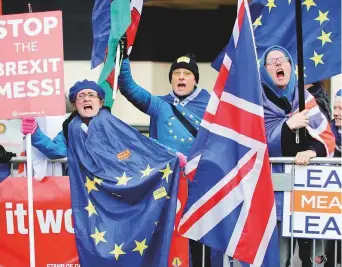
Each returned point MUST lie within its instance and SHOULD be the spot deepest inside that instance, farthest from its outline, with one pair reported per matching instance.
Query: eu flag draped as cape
(124, 194)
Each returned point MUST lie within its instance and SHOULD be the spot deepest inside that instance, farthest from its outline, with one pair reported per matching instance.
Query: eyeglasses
(271, 61)
(178, 73)
(83, 95)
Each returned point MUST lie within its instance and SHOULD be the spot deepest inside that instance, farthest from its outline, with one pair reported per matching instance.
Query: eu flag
(124, 194)
(274, 23)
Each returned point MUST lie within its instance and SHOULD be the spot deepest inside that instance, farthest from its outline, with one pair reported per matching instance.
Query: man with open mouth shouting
(175, 117)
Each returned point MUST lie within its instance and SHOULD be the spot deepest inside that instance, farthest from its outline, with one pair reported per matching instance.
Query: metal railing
(281, 182)
(285, 182)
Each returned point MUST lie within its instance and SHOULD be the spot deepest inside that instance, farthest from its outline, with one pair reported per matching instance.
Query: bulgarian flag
(111, 20)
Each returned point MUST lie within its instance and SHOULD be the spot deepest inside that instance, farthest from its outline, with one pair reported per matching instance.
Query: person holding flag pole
(175, 120)
(108, 144)
(301, 134)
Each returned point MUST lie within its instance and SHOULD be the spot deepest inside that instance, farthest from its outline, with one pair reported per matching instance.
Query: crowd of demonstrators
(336, 125)
(175, 117)
(282, 120)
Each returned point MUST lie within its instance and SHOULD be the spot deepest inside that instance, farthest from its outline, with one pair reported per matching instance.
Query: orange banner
(54, 233)
(317, 201)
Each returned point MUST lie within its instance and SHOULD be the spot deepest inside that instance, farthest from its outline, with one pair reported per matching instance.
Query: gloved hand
(123, 46)
(182, 159)
(5, 156)
(28, 125)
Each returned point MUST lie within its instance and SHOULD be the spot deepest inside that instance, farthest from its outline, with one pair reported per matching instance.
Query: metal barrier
(281, 182)
(285, 182)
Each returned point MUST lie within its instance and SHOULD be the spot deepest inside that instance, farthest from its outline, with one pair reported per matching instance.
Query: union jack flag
(231, 204)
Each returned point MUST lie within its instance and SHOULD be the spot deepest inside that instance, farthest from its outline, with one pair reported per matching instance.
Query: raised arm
(134, 93)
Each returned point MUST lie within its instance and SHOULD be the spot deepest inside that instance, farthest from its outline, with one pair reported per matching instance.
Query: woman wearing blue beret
(87, 97)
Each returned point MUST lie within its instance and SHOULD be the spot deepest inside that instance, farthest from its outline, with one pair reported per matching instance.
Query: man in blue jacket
(174, 118)
(186, 102)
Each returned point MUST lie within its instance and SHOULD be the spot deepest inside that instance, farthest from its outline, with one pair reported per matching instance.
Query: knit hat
(85, 84)
(188, 62)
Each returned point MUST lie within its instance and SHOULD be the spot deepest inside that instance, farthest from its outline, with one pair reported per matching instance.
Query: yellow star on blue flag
(121, 185)
(321, 33)
(274, 23)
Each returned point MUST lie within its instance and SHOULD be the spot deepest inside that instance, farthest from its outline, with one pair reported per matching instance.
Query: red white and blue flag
(231, 205)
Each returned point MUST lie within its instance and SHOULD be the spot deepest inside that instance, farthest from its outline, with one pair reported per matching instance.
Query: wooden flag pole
(300, 61)
(0, 7)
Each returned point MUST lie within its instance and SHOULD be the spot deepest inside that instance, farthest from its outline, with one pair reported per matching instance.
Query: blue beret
(339, 93)
(85, 84)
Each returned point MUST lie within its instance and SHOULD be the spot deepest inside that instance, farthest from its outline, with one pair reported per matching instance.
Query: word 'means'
(30, 26)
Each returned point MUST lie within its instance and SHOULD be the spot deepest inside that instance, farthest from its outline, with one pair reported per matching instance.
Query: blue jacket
(52, 149)
(164, 125)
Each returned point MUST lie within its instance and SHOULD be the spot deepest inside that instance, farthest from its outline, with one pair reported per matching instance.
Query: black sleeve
(322, 100)
(5, 156)
(318, 147)
(288, 139)
(66, 124)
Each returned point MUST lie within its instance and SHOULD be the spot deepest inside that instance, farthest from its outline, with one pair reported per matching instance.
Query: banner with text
(31, 65)
(317, 203)
(54, 233)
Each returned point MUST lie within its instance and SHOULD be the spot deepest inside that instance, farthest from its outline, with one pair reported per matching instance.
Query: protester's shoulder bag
(184, 121)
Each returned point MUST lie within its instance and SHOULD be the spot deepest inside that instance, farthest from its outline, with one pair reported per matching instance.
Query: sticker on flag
(231, 204)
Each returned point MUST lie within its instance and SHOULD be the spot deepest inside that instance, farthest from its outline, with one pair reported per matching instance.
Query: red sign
(31, 65)
(54, 233)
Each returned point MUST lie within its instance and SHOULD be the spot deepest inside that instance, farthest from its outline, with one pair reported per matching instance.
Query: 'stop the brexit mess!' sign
(31, 65)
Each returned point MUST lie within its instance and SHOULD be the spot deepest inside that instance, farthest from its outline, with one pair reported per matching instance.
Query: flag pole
(0, 7)
(30, 191)
(30, 199)
(118, 61)
(300, 62)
